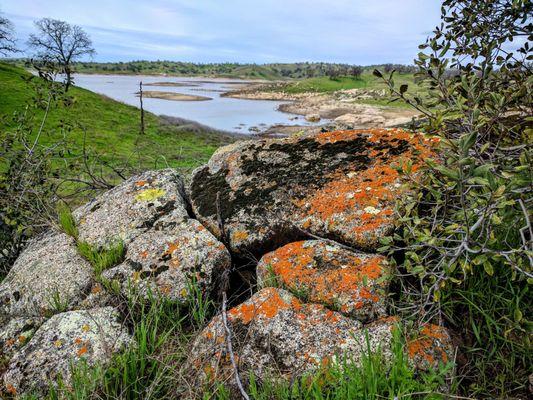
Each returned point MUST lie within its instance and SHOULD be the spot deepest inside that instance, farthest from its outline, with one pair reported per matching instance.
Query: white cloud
(353, 31)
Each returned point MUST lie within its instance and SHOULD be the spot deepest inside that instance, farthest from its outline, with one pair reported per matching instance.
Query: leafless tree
(60, 43)
(7, 39)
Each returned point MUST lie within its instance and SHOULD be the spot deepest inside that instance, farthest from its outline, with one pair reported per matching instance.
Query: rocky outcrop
(324, 272)
(130, 209)
(177, 253)
(340, 185)
(49, 274)
(65, 339)
(319, 301)
(166, 252)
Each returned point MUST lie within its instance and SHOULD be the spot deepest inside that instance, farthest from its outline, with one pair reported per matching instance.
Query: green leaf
(487, 266)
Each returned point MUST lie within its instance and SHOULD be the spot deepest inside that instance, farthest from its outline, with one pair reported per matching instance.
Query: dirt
(154, 94)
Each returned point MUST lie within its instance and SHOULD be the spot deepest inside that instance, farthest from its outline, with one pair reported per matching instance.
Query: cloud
(351, 31)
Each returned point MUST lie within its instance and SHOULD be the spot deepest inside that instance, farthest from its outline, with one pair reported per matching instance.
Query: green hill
(110, 128)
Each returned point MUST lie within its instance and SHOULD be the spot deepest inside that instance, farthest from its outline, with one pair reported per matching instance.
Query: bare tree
(60, 43)
(7, 39)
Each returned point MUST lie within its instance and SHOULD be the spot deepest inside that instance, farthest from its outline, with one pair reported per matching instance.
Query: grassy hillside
(111, 128)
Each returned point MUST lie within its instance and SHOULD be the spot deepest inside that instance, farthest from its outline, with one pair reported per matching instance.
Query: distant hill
(272, 71)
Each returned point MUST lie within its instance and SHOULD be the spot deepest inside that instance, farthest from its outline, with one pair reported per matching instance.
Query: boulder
(430, 347)
(323, 272)
(176, 253)
(61, 342)
(131, 208)
(16, 334)
(49, 275)
(338, 185)
(312, 118)
(275, 335)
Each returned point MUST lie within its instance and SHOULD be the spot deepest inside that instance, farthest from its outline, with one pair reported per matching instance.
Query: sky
(360, 32)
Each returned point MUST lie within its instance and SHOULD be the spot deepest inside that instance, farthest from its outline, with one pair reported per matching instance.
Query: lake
(234, 115)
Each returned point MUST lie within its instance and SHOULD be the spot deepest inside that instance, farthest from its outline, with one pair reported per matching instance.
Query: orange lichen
(325, 276)
(96, 289)
(10, 342)
(78, 341)
(428, 345)
(239, 236)
(266, 306)
(351, 194)
(140, 183)
(82, 351)
(11, 389)
(21, 339)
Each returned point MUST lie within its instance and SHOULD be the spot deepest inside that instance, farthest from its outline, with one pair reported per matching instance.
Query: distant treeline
(264, 71)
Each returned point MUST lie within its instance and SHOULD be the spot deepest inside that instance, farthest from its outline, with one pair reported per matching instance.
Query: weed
(199, 304)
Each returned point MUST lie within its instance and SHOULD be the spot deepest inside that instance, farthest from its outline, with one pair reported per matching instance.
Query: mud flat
(170, 84)
(153, 94)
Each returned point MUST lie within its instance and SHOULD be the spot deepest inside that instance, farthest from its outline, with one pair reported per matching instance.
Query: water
(234, 115)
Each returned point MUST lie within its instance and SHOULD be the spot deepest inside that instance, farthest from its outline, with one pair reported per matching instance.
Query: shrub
(466, 234)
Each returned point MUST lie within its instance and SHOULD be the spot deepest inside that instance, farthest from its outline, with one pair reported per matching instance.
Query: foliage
(66, 221)
(467, 228)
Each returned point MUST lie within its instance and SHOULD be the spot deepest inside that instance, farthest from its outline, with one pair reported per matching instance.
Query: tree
(7, 40)
(60, 43)
(356, 71)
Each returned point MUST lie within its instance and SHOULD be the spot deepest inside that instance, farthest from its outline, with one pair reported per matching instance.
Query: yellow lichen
(149, 194)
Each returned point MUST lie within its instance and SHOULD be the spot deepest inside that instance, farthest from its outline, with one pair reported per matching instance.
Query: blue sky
(348, 31)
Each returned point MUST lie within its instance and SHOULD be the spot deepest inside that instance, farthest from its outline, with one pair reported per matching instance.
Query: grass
(102, 259)
(104, 126)
(365, 81)
(66, 221)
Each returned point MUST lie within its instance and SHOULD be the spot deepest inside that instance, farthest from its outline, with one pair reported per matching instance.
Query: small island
(154, 94)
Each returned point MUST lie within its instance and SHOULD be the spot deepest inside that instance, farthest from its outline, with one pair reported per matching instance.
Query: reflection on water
(236, 115)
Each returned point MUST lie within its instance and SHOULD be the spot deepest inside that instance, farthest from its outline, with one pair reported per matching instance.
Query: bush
(466, 234)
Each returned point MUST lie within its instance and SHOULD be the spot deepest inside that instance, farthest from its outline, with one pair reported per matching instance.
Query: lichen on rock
(323, 272)
(131, 208)
(277, 336)
(62, 342)
(48, 274)
(340, 185)
(176, 253)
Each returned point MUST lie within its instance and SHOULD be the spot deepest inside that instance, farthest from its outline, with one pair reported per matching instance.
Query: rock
(324, 272)
(169, 257)
(430, 347)
(276, 335)
(16, 334)
(339, 185)
(355, 120)
(91, 335)
(131, 208)
(48, 275)
(312, 118)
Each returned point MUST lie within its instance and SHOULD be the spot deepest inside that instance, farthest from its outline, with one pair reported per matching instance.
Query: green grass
(107, 127)
(365, 81)
(66, 221)
(102, 259)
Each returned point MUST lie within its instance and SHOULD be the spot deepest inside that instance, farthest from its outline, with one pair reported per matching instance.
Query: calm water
(224, 113)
